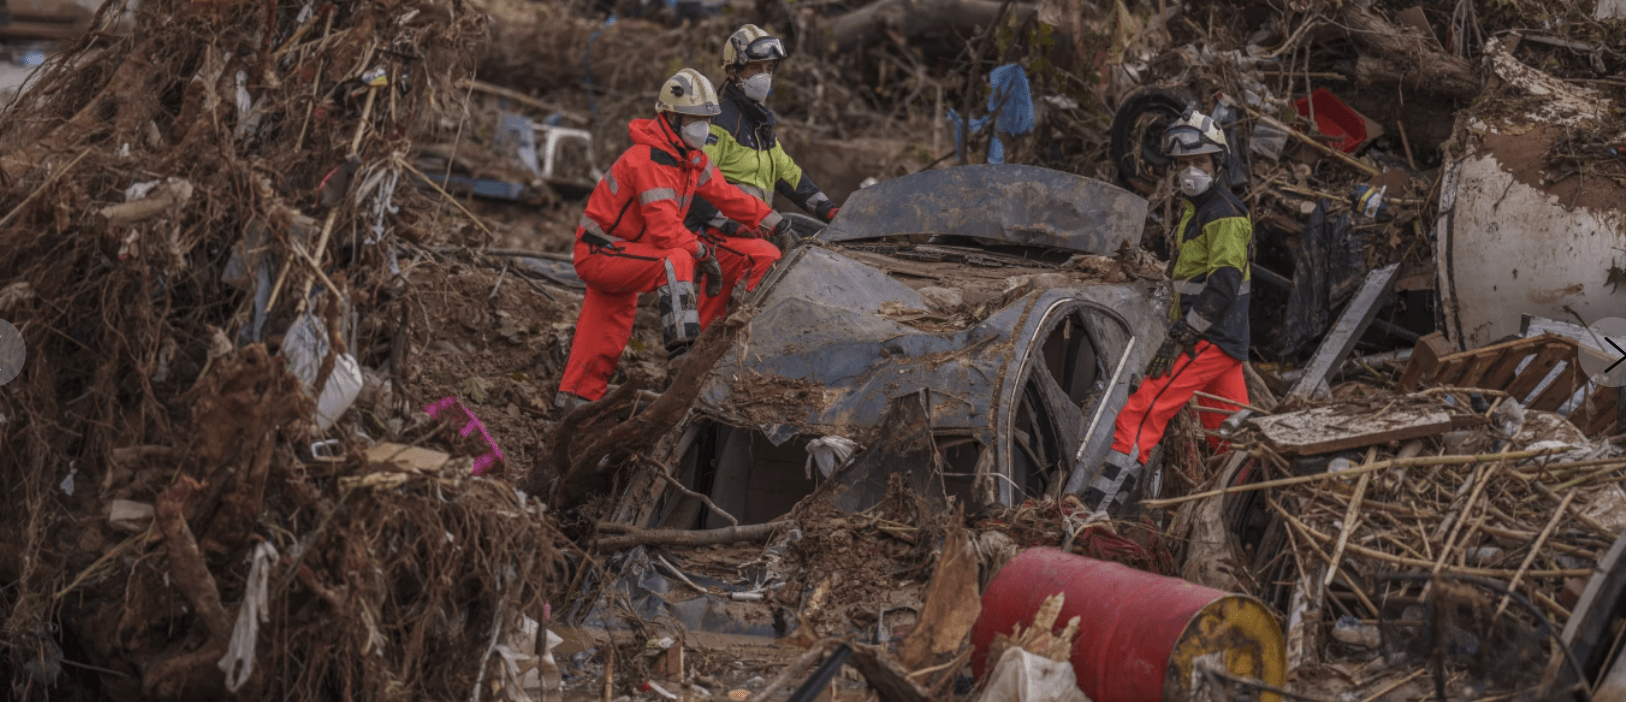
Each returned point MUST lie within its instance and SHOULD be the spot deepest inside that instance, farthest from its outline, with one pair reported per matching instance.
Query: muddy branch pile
(206, 223)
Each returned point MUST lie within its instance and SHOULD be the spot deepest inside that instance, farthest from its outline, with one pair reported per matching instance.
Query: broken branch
(1351, 473)
(1307, 140)
(585, 471)
(631, 536)
(678, 485)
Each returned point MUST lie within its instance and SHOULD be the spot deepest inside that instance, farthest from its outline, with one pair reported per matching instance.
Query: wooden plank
(1620, 411)
(1333, 428)
(1477, 367)
(1425, 359)
(1605, 411)
(1501, 374)
(1602, 412)
(57, 11)
(1551, 353)
(1583, 415)
(1560, 390)
(1529, 344)
(1450, 369)
(1533, 326)
(1350, 326)
(40, 30)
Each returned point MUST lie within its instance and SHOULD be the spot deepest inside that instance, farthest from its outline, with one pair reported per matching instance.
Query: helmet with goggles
(1194, 134)
(751, 44)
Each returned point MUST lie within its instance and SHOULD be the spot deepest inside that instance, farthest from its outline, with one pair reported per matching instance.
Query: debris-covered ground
(295, 288)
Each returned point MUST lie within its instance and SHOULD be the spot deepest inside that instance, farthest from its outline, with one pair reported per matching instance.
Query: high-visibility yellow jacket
(748, 153)
(1212, 280)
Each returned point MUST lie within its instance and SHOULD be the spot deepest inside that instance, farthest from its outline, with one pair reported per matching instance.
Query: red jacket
(661, 175)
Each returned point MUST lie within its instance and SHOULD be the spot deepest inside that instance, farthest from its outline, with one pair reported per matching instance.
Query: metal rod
(1101, 406)
(1271, 277)
(810, 690)
(1396, 331)
(1293, 376)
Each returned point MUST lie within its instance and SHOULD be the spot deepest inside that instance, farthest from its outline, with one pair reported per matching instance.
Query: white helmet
(688, 92)
(749, 44)
(1194, 134)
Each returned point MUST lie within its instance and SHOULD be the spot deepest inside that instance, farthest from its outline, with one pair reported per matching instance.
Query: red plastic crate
(1335, 119)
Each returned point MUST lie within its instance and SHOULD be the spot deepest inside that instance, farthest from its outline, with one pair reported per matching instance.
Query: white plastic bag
(305, 346)
(828, 453)
(1022, 676)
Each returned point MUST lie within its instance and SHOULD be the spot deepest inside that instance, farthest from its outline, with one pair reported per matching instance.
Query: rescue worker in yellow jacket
(747, 151)
(1207, 341)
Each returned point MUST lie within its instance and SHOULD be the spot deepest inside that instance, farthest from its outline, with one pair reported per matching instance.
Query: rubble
(283, 431)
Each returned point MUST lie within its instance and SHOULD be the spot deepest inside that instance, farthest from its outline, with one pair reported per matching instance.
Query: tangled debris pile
(211, 261)
(166, 446)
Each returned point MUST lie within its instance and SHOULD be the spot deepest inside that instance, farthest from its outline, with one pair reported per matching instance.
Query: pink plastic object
(482, 463)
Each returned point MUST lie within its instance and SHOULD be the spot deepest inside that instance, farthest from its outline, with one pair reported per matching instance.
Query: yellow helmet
(749, 44)
(688, 92)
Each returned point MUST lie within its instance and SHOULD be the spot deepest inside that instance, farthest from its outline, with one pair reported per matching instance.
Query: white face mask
(756, 87)
(1194, 181)
(695, 134)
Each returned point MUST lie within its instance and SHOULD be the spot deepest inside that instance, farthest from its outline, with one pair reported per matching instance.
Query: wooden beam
(40, 30)
(1319, 430)
(1349, 328)
(1551, 353)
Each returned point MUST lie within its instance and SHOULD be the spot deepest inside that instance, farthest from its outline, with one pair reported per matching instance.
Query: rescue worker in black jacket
(1207, 340)
(746, 149)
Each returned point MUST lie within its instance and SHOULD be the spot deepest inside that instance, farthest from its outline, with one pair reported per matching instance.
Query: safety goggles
(1183, 136)
(764, 49)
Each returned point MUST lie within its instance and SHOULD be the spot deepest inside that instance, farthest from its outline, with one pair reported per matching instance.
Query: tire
(1137, 128)
(803, 225)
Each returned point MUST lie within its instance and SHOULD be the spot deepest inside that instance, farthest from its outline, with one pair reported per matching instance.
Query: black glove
(784, 237)
(708, 271)
(1181, 338)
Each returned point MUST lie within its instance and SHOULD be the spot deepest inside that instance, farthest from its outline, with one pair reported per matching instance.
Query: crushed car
(967, 328)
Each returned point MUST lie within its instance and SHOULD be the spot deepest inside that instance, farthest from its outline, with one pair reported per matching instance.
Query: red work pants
(1147, 413)
(743, 260)
(614, 277)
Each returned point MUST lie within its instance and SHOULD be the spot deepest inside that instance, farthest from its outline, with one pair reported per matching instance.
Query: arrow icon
(1618, 350)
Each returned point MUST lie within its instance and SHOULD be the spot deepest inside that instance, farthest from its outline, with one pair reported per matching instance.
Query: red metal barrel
(1140, 635)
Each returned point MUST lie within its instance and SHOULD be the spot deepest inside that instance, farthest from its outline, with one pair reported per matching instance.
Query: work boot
(680, 315)
(1112, 484)
(677, 356)
(566, 402)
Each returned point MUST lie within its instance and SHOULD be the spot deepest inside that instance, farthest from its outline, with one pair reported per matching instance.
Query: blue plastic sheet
(1011, 102)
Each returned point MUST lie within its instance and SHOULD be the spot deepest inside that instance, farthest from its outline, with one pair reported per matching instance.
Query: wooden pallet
(1496, 367)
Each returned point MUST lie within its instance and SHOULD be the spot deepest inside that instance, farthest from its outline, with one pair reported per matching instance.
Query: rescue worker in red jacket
(1207, 341)
(631, 238)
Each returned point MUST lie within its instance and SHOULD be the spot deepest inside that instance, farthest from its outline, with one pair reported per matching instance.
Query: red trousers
(614, 277)
(1147, 413)
(743, 260)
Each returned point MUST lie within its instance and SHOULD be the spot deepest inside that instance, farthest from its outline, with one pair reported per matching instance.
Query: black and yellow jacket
(746, 150)
(1211, 275)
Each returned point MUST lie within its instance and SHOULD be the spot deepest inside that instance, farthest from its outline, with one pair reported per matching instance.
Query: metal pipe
(1293, 376)
(1396, 331)
(1272, 277)
(810, 690)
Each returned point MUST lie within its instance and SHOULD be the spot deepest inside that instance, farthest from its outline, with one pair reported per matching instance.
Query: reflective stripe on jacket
(646, 192)
(1212, 279)
(748, 152)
